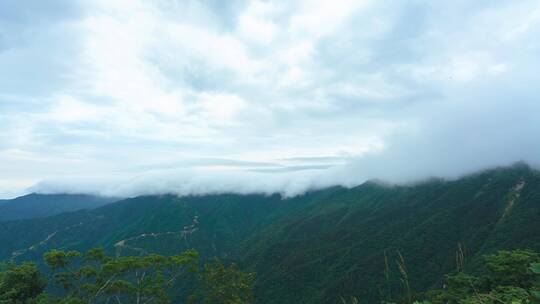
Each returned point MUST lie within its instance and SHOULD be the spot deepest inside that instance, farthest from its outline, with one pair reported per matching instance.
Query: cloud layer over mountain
(133, 97)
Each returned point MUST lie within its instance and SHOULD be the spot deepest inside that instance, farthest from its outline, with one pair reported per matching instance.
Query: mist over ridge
(242, 183)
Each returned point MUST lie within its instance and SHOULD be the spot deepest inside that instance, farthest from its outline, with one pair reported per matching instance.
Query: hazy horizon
(133, 97)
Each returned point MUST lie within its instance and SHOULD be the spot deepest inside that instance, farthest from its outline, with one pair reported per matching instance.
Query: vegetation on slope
(338, 247)
(43, 205)
(318, 247)
(507, 277)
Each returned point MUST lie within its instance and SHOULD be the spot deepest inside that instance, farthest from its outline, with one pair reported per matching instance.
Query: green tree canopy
(94, 277)
(20, 283)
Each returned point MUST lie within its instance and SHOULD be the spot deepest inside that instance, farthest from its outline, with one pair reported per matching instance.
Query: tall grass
(387, 277)
(404, 277)
(460, 258)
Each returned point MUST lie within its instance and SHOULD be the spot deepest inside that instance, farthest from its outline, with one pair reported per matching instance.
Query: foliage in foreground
(510, 277)
(94, 277)
(20, 283)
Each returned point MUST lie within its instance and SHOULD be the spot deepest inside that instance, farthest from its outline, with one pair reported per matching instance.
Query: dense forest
(438, 240)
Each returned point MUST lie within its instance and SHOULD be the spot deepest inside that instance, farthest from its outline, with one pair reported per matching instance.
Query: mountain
(43, 205)
(316, 247)
(215, 225)
(338, 247)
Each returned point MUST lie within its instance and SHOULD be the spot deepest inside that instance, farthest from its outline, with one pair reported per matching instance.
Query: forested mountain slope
(316, 247)
(337, 247)
(42, 205)
(215, 225)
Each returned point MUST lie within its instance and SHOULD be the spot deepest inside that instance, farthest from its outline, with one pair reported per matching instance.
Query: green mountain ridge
(348, 235)
(316, 247)
(42, 205)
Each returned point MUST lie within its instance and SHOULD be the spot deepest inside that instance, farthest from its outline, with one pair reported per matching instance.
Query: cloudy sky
(130, 97)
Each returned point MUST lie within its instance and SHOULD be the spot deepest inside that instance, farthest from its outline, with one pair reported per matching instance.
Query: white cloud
(319, 18)
(111, 88)
(255, 22)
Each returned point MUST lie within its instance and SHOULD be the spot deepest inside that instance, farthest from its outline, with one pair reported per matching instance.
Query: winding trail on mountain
(184, 233)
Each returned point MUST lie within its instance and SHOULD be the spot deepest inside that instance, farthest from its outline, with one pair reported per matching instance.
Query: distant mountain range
(42, 205)
(316, 247)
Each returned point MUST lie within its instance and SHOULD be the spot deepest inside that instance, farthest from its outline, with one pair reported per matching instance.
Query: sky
(128, 97)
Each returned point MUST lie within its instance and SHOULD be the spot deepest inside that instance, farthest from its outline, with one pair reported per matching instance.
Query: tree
(94, 277)
(227, 285)
(511, 277)
(20, 283)
(512, 267)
